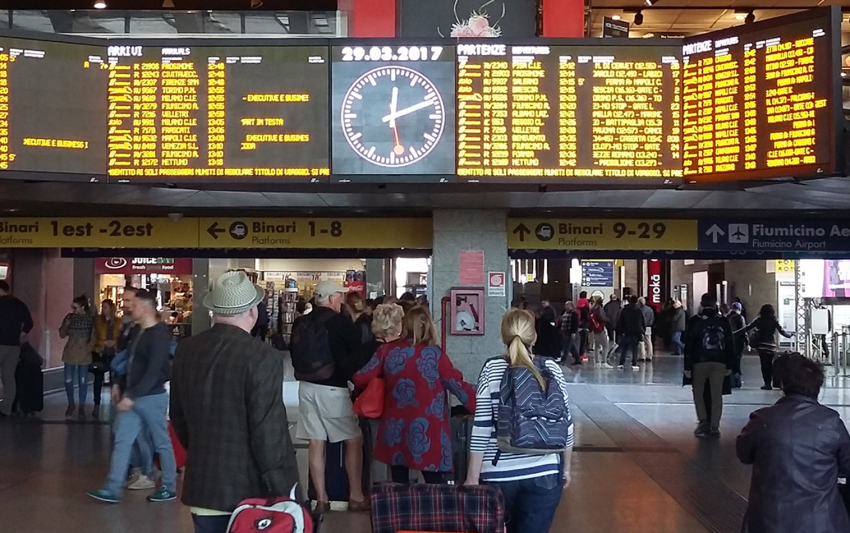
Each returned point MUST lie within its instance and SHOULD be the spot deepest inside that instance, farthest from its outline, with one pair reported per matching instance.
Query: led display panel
(604, 114)
(393, 111)
(217, 113)
(760, 100)
(52, 111)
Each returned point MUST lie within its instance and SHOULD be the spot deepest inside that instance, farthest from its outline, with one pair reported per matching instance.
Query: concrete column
(84, 280)
(200, 288)
(375, 277)
(461, 230)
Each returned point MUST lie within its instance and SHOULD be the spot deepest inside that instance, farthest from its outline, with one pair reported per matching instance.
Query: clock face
(393, 116)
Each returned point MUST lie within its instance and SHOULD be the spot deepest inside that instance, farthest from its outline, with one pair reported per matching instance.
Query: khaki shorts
(325, 414)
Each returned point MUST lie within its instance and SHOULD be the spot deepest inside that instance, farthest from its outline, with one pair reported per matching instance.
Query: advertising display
(393, 110)
(583, 113)
(208, 112)
(761, 100)
(52, 111)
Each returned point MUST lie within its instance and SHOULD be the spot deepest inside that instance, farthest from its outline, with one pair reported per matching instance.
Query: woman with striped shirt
(532, 484)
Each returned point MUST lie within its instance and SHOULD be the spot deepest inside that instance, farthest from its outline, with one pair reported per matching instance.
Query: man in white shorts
(326, 413)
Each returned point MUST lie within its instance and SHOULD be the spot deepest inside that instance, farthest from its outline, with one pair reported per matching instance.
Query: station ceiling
(690, 17)
(820, 197)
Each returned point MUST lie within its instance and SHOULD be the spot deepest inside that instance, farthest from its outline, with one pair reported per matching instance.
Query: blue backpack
(531, 420)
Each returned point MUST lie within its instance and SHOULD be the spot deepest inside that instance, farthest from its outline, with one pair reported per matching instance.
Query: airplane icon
(739, 233)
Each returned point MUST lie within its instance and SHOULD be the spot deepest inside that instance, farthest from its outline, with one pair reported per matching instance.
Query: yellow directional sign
(601, 234)
(366, 233)
(98, 233)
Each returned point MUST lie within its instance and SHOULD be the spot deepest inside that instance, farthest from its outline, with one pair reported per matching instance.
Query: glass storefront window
(283, 23)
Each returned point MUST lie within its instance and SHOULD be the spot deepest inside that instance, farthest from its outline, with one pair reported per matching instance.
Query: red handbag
(370, 404)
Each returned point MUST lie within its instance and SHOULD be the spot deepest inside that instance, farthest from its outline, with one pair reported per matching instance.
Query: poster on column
(467, 18)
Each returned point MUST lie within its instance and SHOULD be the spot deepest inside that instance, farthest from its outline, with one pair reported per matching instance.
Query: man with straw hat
(227, 409)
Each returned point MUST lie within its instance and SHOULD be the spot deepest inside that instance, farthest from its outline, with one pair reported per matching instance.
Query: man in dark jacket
(631, 326)
(709, 357)
(647, 350)
(15, 322)
(737, 322)
(143, 403)
(326, 413)
(227, 410)
(612, 311)
(798, 449)
(569, 332)
(678, 325)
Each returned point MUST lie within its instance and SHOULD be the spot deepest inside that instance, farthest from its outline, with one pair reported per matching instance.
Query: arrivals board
(760, 100)
(217, 113)
(582, 113)
(52, 117)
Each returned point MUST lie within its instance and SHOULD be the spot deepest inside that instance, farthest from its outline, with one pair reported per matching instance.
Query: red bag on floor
(280, 515)
(179, 450)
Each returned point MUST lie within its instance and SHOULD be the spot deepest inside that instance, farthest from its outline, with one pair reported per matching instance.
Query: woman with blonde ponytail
(532, 483)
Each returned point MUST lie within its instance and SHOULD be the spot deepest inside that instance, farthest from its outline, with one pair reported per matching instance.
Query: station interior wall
(748, 280)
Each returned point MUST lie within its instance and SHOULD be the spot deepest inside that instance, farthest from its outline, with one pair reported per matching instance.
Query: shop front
(170, 279)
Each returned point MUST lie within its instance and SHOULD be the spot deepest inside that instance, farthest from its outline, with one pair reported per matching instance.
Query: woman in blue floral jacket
(414, 431)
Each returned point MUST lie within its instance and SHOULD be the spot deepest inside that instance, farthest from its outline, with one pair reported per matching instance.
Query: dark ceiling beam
(146, 5)
(736, 8)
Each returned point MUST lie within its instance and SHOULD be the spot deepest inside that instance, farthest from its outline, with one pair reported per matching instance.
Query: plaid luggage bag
(479, 509)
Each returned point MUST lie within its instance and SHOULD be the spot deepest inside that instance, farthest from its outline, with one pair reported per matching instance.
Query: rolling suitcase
(336, 478)
(461, 431)
(422, 507)
(29, 381)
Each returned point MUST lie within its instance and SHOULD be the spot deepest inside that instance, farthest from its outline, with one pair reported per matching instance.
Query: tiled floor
(636, 468)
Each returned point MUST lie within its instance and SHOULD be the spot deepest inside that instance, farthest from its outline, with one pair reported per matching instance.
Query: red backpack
(277, 515)
(596, 325)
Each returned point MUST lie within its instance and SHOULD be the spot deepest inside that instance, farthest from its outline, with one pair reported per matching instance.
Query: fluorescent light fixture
(100, 4)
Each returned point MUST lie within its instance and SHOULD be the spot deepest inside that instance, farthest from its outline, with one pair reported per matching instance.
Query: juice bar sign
(143, 265)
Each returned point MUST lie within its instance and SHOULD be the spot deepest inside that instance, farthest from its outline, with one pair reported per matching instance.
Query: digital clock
(390, 53)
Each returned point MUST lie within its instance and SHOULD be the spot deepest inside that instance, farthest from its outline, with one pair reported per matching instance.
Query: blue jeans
(678, 345)
(141, 456)
(530, 504)
(148, 414)
(210, 524)
(82, 374)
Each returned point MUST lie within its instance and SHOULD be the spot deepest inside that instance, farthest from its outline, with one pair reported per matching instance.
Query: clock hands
(393, 107)
(398, 148)
(407, 110)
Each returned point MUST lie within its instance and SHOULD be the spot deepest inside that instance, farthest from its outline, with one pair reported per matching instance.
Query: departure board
(217, 113)
(583, 113)
(51, 108)
(760, 100)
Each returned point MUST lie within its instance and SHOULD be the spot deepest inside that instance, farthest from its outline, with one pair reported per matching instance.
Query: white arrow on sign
(715, 233)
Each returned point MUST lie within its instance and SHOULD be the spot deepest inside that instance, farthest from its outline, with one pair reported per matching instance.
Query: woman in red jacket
(414, 431)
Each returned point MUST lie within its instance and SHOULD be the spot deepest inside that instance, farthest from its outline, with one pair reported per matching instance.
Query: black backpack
(713, 339)
(311, 349)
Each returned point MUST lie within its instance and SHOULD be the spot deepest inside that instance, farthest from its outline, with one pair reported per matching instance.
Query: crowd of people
(226, 408)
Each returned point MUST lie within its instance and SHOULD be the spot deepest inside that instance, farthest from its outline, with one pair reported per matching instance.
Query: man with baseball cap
(227, 409)
(326, 351)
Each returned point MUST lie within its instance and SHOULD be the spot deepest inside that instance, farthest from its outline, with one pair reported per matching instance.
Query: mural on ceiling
(468, 18)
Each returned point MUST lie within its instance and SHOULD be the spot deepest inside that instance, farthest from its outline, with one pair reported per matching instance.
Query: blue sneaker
(104, 495)
(162, 495)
